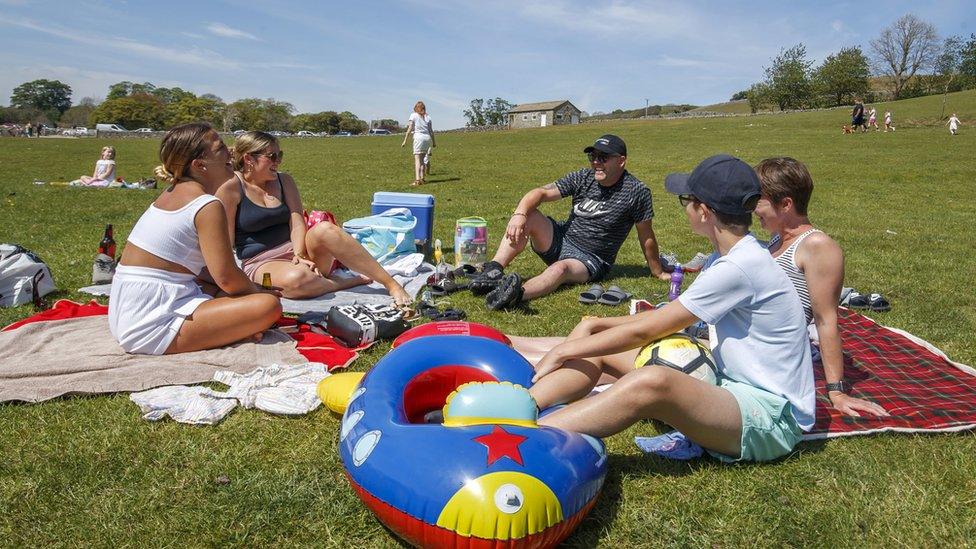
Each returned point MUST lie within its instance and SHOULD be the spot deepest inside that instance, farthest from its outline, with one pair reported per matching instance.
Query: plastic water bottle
(677, 277)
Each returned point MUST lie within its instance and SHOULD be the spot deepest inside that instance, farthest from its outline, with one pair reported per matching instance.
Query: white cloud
(220, 29)
(837, 25)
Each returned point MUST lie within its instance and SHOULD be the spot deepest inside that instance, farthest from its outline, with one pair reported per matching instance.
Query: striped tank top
(787, 261)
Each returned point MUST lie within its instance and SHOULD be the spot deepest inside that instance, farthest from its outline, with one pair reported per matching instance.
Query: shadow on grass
(442, 180)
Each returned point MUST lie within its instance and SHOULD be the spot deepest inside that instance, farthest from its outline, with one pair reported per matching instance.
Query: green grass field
(90, 472)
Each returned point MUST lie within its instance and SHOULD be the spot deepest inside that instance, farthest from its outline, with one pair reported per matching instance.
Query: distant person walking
(873, 119)
(888, 121)
(953, 124)
(857, 115)
(423, 141)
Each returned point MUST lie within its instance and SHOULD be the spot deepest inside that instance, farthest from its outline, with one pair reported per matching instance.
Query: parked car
(109, 128)
(306, 133)
(78, 131)
(238, 133)
(144, 130)
(279, 133)
(380, 131)
(344, 134)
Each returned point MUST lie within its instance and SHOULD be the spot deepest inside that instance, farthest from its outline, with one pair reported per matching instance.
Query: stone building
(548, 113)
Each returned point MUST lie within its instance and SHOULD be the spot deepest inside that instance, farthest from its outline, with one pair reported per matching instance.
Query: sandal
(878, 304)
(613, 296)
(416, 183)
(589, 297)
(856, 300)
(445, 287)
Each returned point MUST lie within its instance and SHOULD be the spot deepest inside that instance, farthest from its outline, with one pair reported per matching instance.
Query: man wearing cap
(764, 399)
(607, 202)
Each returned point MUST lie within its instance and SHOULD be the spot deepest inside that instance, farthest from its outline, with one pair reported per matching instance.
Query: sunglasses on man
(600, 158)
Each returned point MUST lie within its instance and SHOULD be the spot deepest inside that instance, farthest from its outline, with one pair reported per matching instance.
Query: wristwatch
(841, 386)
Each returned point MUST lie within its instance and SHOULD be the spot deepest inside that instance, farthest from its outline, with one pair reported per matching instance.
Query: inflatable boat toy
(451, 327)
(488, 476)
(334, 391)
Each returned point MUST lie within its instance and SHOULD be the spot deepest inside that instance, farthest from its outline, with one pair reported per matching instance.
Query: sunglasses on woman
(686, 199)
(274, 157)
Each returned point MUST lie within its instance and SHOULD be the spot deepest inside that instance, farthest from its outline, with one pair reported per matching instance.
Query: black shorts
(564, 248)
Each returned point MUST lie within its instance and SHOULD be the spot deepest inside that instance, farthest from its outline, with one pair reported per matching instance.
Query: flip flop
(856, 300)
(589, 297)
(613, 296)
(878, 303)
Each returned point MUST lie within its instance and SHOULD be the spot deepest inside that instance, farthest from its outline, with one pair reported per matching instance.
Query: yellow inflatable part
(335, 390)
(501, 506)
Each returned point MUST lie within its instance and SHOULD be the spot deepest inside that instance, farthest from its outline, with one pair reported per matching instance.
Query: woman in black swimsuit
(264, 215)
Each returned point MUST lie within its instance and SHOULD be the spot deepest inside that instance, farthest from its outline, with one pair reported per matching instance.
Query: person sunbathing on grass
(764, 400)
(265, 221)
(814, 263)
(607, 202)
(156, 305)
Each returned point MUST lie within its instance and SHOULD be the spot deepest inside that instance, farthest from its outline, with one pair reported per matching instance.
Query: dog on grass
(847, 129)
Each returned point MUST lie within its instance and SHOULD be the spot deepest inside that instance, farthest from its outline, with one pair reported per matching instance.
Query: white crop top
(172, 235)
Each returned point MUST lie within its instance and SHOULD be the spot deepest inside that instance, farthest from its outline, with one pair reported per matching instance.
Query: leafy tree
(906, 46)
(172, 95)
(788, 78)
(326, 121)
(758, 96)
(349, 122)
(738, 96)
(843, 76)
(258, 114)
(475, 114)
(126, 88)
(967, 59)
(496, 110)
(194, 109)
(53, 97)
(386, 124)
(76, 116)
(133, 111)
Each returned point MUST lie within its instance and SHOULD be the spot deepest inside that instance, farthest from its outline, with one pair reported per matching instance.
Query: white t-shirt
(421, 124)
(759, 324)
(953, 122)
(105, 170)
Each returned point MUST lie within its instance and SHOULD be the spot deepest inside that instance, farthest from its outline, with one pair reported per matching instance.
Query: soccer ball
(681, 352)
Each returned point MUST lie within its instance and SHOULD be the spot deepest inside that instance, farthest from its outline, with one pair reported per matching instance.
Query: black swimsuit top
(258, 228)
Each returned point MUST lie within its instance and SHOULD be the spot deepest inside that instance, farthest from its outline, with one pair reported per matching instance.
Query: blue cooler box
(420, 205)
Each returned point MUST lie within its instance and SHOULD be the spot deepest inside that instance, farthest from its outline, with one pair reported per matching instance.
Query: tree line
(137, 105)
(908, 58)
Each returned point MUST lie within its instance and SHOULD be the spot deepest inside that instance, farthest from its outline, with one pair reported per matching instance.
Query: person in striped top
(814, 263)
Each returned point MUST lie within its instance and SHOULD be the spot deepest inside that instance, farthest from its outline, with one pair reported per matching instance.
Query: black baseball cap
(609, 144)
(722, 182)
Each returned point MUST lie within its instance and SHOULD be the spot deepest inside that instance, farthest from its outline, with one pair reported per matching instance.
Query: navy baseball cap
(609, 144)
(722, 182)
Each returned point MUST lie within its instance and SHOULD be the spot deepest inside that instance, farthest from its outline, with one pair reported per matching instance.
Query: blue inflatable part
(494, 476)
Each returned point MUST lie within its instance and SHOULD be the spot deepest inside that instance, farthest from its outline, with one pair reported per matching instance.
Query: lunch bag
(23, 276)
(387, 235)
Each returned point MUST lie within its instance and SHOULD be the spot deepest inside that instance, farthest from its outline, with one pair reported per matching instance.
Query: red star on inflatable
(501, 443)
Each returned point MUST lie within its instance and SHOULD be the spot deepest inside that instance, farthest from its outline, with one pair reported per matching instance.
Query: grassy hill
(86, 471)
(740, 106)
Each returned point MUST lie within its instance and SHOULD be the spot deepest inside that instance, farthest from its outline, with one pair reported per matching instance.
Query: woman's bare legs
(418, 168)
(326, 241)
(225, 320)
(534, 348)
(301, 282)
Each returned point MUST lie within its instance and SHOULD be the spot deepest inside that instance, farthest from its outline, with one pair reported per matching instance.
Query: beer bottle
(107, 245)
(266, 281)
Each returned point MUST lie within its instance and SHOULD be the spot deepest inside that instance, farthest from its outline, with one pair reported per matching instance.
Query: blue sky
(377, 58)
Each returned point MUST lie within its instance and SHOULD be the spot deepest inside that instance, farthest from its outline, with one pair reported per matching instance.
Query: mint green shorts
(769, 430)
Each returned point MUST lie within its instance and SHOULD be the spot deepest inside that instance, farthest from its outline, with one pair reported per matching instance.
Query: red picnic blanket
(921, 388)
(313, 346)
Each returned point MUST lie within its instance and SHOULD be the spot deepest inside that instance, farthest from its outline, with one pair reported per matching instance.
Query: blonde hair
(111, 151)
(180, 146)
(420, 108)
(250, 143)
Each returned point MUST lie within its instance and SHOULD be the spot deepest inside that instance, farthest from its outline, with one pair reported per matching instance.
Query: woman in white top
(814, 264)
(953, 124)
(104, 173)
(157, 306)
(423, 141)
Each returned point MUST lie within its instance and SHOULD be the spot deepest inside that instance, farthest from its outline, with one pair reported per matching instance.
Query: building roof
(544, 106)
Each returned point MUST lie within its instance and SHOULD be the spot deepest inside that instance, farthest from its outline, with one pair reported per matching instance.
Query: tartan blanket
(916, 383)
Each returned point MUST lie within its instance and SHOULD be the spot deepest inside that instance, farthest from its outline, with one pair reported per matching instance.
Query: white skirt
(147, 307)
(421, 143)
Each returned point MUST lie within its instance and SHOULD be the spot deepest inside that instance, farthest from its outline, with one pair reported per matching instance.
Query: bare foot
(345, 283)
(256, 338)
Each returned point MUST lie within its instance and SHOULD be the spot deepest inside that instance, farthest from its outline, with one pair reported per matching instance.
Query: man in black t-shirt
(607, 202)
